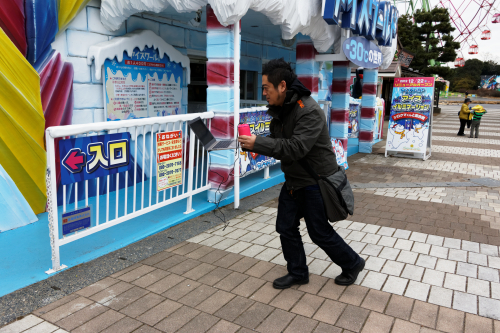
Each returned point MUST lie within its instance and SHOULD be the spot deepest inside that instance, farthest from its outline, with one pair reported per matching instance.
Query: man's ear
(282, 86)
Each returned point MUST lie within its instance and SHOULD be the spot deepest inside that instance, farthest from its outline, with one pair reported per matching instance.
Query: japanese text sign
(94, 156)
(168, 159)
(362, 52)
(411, 107)
(143, 85)
(75, 221)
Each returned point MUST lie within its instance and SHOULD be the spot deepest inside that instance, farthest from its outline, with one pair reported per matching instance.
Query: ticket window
(197, 89)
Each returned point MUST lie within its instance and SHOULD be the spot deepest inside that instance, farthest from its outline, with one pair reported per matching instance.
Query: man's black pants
(308, 203)
(463, 122)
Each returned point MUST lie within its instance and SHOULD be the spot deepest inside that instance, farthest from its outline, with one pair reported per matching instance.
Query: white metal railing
(196, 182)
(248, 103)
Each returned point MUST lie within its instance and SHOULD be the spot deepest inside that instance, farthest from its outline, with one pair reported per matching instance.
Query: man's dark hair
(278, 70)
(467, 100)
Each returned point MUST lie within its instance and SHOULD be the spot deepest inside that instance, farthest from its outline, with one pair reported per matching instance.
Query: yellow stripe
(22, 125)
(68, 9)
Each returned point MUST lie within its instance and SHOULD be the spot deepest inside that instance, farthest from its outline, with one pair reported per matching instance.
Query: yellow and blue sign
(369, 18)
(75, 221)
(94, 156)
(362, 52)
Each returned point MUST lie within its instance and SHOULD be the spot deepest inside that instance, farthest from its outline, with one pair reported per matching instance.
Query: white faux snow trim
(293, 16)
(139, 38)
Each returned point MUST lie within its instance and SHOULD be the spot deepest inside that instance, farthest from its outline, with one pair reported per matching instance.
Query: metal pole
(189, 208)
(236, 35)
(52, 207)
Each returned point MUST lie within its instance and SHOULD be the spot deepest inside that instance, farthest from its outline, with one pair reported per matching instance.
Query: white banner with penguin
(411, 117)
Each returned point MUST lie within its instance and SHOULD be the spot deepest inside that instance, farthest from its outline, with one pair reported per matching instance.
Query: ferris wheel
(471, 19)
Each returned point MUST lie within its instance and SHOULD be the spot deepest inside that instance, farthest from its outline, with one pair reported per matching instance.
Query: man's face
(274, 95)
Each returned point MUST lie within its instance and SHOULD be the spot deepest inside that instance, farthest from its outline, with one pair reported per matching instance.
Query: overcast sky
(487, 48)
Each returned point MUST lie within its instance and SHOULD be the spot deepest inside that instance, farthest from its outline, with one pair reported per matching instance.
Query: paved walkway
(432, 261)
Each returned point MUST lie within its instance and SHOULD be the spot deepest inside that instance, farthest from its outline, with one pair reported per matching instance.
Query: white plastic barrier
(137, 127)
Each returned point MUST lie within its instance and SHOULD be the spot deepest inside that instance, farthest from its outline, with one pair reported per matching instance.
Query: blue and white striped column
(220, 100)
(307, 68)
(339, 114)
(368, 104)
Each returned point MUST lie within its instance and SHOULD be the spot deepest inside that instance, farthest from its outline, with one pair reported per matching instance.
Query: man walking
(299, 130)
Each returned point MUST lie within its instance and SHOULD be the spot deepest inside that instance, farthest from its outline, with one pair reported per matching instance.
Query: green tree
(467, 77)
(428, 35)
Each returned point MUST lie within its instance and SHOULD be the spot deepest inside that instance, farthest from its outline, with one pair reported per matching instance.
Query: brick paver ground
(432, 261)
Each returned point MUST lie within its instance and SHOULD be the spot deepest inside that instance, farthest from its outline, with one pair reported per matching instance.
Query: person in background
(464, 115)
(477, 113)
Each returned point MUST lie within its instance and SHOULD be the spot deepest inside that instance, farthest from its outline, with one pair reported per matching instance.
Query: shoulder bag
(336, 192)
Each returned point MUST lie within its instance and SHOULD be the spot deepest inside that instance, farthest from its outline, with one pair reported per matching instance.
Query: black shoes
(349, 277)
(287, 281)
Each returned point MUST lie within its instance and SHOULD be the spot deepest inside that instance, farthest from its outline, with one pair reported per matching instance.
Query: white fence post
(52, 204)
(266, 173)
(192, 139)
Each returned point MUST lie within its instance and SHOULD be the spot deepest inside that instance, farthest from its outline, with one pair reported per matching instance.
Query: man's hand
(247, 142)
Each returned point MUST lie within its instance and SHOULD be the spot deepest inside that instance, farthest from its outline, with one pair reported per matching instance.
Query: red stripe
(365, 136)
(339, 115)
(369, 89)
(340, 86)
(310, 82)
(220, 73)
(367, 112)
(305, 51)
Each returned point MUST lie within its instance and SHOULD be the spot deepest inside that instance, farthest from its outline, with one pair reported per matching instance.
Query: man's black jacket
(298, 129)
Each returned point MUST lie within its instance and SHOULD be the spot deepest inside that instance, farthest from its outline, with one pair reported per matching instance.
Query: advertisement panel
(340, 152)
(354, 118)
(490, 82)
(411, 114)
(94, 156)
(142, 85)
(259, 122)
(168, 159)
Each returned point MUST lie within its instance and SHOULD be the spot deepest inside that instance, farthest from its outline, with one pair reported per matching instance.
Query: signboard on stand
(168, 160)
(250, 162)
(410, 121)
(142, 85)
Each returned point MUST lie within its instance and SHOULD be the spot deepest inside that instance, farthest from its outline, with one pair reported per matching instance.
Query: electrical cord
(218, 191)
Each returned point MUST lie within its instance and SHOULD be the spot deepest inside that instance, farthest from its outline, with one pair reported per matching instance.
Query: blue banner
(259, 122)
(94, 156)
(75, 221)
(362, 52)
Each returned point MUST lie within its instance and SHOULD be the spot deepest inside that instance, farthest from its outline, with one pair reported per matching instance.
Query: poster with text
(142, 85)
(168, 159)
(411, 110)
(259, 122)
